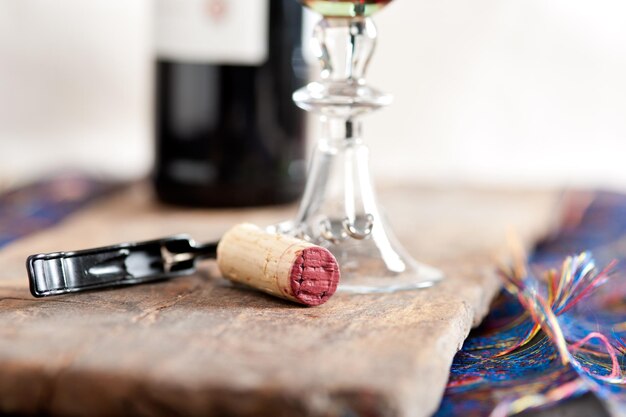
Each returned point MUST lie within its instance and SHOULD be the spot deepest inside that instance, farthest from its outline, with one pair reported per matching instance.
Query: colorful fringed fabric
(45, 203)
(559, 328)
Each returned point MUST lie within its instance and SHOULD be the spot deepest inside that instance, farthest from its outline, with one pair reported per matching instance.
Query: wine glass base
(377, 264)
(419, 277)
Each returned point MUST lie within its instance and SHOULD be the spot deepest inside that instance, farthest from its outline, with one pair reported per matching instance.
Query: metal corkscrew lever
(123, 264)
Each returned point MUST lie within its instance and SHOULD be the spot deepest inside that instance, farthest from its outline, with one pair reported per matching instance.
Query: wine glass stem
(339, 208)
(341, 129)
(345, 48)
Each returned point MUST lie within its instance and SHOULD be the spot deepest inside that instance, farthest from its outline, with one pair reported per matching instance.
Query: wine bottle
(226, 130)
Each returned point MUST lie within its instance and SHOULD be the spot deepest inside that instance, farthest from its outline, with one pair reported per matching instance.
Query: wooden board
(200, 346)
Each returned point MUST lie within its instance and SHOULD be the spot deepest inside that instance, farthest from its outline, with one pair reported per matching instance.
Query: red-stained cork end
(314, 276)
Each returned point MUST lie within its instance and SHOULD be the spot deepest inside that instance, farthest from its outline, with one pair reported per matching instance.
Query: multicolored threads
(555, 332)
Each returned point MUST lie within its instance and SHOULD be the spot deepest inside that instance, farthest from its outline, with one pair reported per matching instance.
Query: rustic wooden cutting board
(200, 346)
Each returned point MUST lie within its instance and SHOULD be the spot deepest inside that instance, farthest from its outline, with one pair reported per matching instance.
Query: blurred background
(528, 93)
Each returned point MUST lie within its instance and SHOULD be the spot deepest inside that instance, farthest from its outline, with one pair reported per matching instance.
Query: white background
(528, 92)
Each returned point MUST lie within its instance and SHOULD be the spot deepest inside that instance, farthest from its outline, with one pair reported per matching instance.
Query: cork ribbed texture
(314, 276)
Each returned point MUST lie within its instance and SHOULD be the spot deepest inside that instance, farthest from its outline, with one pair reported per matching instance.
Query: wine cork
(280, 265)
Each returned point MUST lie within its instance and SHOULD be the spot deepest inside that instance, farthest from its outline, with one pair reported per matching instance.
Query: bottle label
(212, 31)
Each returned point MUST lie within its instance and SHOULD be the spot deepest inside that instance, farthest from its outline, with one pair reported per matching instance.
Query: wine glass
(339, 209)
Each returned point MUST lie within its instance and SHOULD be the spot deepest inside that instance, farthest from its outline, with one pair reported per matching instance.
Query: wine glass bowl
(346, 8)
(339, 208)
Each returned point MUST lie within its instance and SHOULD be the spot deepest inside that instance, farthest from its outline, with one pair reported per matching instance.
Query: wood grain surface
(201, 346)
